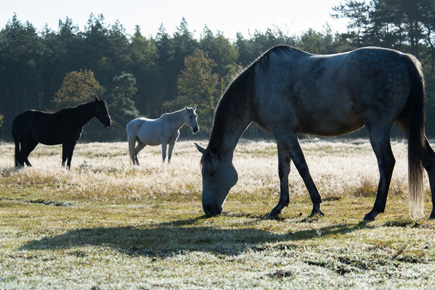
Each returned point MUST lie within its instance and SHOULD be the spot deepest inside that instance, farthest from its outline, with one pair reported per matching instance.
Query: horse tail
(17, 147)
(416, 138)
(131, 129)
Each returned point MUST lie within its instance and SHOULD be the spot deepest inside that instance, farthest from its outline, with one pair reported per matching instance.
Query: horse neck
(176, 118)
(231, 120)
(85, 112)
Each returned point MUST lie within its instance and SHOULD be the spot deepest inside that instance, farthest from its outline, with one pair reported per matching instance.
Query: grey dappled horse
(287, 91)
(164, 130)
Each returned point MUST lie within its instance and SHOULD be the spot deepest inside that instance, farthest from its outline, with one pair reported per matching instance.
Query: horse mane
(172, 116)
(74, 108)
(280, 50)
(239, 94)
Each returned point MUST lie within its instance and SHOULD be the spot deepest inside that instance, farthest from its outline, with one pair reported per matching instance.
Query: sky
(226, 16)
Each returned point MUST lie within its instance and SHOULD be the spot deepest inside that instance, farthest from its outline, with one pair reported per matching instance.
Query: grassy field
(106, 225)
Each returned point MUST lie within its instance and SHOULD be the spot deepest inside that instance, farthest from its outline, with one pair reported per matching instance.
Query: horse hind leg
(131, 144)
(380, 141)
(26, 149)
(19, 162)
(429, 165)
(164, 148)
(136, 151)
(19, 159)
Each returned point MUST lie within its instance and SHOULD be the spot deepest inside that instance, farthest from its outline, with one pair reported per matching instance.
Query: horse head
(190, 118)
(218, 176)
(102, 112)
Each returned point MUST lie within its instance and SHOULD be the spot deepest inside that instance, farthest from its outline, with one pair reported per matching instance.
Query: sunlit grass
(105, 224)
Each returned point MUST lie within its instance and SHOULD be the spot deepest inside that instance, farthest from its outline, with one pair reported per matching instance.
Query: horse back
(380, 80)
(330, 94)
(148, 131)
(46, 127)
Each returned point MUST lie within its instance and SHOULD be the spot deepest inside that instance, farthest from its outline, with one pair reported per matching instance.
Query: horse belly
(331, 119)
(327, 119)
(330, 126)
(50, 132)
(149, 134)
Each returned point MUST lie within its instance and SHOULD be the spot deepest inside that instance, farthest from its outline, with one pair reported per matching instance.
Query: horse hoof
(316, 213)
(273, 215)
(369, 217)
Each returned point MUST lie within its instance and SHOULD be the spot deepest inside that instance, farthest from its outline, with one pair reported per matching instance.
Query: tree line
(148, 75)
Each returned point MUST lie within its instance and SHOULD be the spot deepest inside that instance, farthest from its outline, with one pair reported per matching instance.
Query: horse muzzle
(107, 122)
(211, 211)
(195, 130)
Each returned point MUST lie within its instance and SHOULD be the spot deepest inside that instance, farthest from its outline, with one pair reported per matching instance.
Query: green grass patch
(106, 225)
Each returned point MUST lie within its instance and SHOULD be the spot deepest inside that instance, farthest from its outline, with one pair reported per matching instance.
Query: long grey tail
(416, 139)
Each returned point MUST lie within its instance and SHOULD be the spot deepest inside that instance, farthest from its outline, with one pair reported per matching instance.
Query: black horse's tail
(416, 139)
(17, 148)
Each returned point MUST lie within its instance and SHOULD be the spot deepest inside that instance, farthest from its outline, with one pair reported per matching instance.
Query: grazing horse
(63, 127)
(164, 130)
(287, 91)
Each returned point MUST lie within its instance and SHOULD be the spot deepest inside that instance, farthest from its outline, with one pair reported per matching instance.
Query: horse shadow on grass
(167, 239)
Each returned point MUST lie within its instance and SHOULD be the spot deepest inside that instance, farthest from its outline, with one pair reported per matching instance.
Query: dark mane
(238, 96)
(263, 60)
(79, 107)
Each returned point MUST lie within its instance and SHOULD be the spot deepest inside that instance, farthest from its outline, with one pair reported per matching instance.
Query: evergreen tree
(225, 55)
(197, 85)
(121, 107)
(170, 70)
(20, 71)
(172, 52)
(145, 67)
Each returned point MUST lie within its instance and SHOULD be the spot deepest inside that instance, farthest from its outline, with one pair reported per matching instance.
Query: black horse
(63, 127)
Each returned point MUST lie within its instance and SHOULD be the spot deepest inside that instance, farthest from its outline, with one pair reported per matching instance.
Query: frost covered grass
(106, 225)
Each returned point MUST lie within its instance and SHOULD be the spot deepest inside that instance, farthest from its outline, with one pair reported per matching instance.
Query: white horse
(164, 130)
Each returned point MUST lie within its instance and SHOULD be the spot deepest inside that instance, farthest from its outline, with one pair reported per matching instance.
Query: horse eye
(212, 173)
(191, 117)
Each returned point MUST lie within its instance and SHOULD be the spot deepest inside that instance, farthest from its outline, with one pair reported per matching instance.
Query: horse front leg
(284, 171)
(380, 142)
(291, 145)
(67, 153)
(170, 149)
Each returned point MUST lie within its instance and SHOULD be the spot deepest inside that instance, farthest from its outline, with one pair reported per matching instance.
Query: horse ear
(200, 149)
(96, 99)
(194, 108)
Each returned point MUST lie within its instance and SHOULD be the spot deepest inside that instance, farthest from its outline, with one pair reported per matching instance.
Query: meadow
(105, 224)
